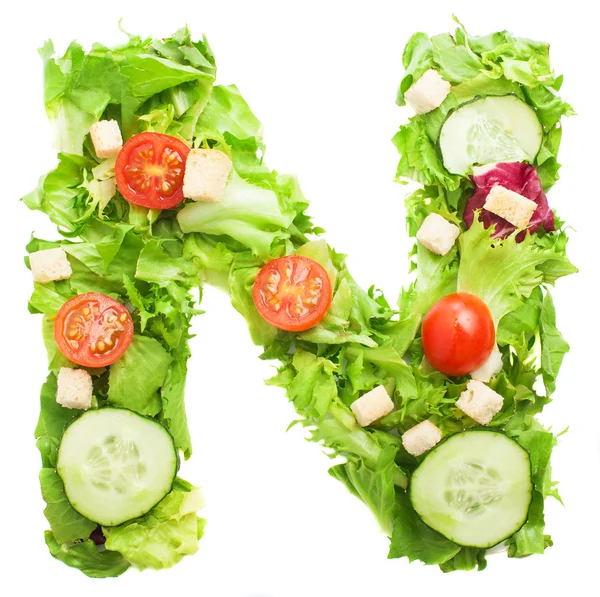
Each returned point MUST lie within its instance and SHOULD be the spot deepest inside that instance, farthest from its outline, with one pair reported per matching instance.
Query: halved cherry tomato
(292, 293)
(150, 168)
(458, 334)
(93, 330)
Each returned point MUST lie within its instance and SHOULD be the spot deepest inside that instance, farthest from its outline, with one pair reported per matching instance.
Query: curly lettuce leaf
(419, 157)
(310, 383)
(437, 276)
(340, 432)
(518, 268)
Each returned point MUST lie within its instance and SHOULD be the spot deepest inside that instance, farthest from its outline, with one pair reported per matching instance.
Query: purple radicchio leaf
(518, 177)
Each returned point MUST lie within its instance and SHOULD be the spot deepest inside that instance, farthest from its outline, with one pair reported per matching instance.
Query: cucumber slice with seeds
(116, 465)
(475, 488)
(488, 130)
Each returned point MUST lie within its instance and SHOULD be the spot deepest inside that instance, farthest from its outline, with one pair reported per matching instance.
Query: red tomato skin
(458, 334)
(151, 199)
(121, 334)
(282, 319)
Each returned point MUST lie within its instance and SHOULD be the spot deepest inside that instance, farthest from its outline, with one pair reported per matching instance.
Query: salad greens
(497, 64)
(129, 253)
(512, 272)
(155, 261)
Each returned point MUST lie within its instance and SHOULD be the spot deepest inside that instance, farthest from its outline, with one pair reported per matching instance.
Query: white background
(323, 78)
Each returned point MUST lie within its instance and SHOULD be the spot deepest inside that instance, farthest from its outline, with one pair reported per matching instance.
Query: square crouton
(372, 406)
(428, 92)
(206, 174)
(74, 389)
(106, 137)
(511, 206)
(50, 265)
(480, 402)
(437, 234)
(421, 438)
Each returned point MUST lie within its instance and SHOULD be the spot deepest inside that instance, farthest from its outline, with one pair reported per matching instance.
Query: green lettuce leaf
(136, 377)
(173, 401)
(416, 59)
(60, 193)
(71, 107)
(240, 283)
(67, 525)
(248, 214)
(158, 265)
(553, 345)
(53, 418)
(141, 75)
(456, 60)
(375, 488)
(539, 444)
(227, 112)
(161, 538)
(518, 327)
(437, 276)
(413, 539)
(468, 558)
(530, 539)
(310, 383)
(88, 558)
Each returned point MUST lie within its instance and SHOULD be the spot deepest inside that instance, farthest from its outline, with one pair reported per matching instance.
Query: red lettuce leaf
(520, 178)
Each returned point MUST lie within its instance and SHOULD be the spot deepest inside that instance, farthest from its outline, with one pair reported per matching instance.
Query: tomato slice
(458, 334)
(93, 330)
(292, 293)
(150, 169)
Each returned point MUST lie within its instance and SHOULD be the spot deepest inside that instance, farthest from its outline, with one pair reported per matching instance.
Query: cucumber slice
(116, 465)
(488, 130)
(475, 488)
